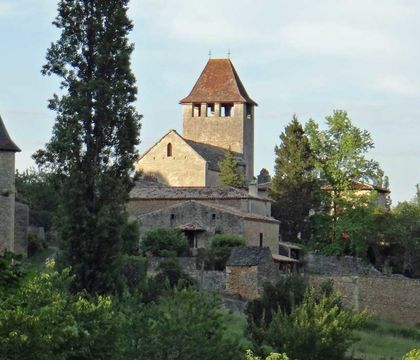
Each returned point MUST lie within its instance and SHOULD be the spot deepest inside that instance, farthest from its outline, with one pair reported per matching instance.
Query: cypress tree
(96, 130)
(294, 187)
(229, 174)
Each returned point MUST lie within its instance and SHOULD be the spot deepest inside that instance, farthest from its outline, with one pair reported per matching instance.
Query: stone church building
(181, 186)
(14, 216)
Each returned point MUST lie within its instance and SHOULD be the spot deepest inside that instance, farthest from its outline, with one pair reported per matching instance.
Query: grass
(383, 340)
(378, 340)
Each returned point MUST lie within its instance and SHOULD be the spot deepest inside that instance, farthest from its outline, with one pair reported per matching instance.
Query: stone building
(218, 115)
(248, 269)
(13, 216)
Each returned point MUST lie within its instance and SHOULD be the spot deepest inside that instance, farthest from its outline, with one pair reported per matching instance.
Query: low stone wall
(391, 298)
(213, 281)
(334, 265)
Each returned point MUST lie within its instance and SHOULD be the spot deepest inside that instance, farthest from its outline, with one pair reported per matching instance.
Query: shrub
(164, 242)
(43, 320)
(220, 248)
(134, 270)
(412, 355)
(35, 244)
(272, 356)
(10, 270)
(287, 293)
(319, 328)
(189, 325)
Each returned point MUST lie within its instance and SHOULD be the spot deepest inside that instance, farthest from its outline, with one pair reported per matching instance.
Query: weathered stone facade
(248, 269)
(7, 200)
(389, 298)
(204, 220)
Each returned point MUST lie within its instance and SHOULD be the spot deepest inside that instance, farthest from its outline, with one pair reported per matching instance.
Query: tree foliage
(229, 173)
(341, 151)
(221, 246)
(92, 148)
(319, 328)
(295, 188)
(43, 320)
(39, 190)
(188, 325)
(164, 242)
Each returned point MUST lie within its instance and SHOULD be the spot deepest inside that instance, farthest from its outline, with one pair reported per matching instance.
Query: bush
(164, 242)
(287, 293)
(220, 248)
(134, 270)
(272, 356)
(412, 355)
(43, 320)
(35, 244)
(188, 326)
(319, 328)
(10, 270)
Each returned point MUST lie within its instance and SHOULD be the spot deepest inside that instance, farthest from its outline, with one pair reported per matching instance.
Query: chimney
(253, 188)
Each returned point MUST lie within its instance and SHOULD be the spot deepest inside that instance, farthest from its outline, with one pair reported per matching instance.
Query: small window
(226, 110)
(196, 110)
(172, 216)
(261, 239)
(169, 150)
(213, 216)
(210, 110)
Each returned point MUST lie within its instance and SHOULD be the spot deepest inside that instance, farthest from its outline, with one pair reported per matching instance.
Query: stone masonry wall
(7, 200)
(242, 281)
(184, 168)
(390, 298)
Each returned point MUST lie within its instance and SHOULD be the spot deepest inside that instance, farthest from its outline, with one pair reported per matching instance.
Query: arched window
(169, 150)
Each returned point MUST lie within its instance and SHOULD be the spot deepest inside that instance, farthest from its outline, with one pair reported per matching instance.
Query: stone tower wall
(7, 200)
(235, 132)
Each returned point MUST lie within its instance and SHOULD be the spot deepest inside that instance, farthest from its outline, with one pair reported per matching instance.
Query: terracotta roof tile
(219, 82)
(6, 143)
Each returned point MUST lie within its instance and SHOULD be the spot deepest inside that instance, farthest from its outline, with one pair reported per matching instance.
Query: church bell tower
(219, 112)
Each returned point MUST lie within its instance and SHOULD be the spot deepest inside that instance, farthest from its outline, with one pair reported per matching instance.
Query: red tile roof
(219, 82)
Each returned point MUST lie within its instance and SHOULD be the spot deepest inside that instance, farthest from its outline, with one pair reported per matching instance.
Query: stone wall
(212, 281)
(334, 265)
(21, 228)
(269, 231)
(242, 281)
(7, 200)
(184, 168)
(391, 298)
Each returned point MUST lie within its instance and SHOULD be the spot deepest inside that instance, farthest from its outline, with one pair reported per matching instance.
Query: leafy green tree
(187, 325)
(295, 188)
(341, 151)
(164, 242)
(43, 320)
(319, 328)
(39, 191)
(273, 356)
(221, 246)
(92, 148)
(11, 272)
(285, 295)
(341, 159)
(229, 173)
(412, 355)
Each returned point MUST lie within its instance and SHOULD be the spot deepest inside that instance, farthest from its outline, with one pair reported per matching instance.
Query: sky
(300, 57)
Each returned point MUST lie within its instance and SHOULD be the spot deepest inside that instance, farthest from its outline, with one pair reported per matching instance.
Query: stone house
(14, 217)
(247, 269)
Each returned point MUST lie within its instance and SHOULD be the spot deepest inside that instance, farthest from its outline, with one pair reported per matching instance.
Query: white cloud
(397, 84)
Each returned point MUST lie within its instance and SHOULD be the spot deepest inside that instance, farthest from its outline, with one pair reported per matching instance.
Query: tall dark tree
(93, 144)
(294, 185)
(229, 172)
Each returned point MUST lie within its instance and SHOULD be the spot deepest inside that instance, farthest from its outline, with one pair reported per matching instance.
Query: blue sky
(305, 57)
